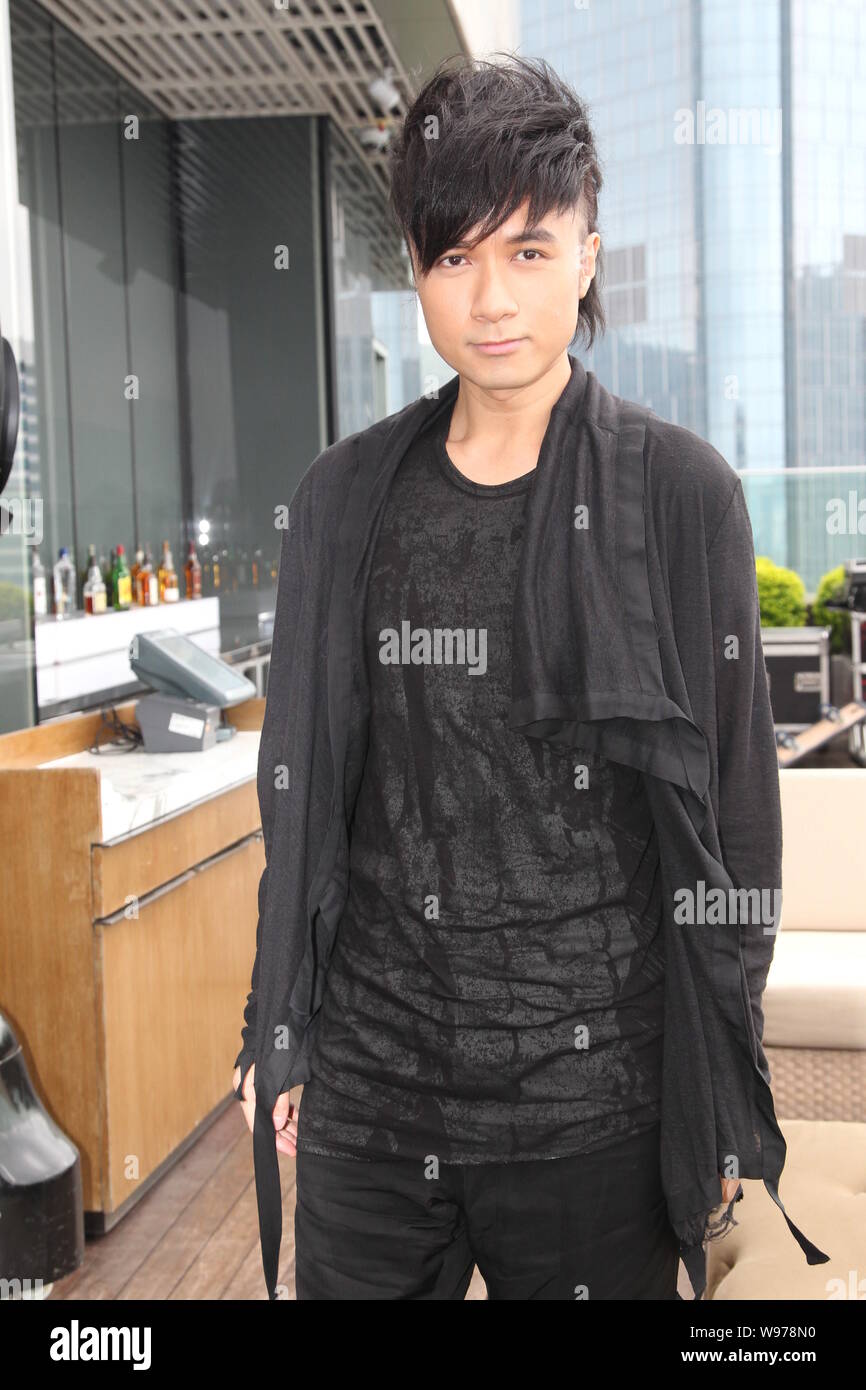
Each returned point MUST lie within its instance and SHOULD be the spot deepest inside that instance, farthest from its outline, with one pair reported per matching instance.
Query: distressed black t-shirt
(495, 991)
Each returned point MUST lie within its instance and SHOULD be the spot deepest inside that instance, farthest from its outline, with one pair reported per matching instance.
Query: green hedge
(839, 624)
(15, 602)
(781, 594)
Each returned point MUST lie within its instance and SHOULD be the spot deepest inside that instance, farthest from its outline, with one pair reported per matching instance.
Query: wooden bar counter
(127, 934)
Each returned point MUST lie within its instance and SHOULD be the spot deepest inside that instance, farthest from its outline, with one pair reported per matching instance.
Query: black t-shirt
(495, 991)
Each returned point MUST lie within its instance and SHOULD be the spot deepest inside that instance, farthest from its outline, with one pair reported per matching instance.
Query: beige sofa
(815, 1000)
(815, 1041)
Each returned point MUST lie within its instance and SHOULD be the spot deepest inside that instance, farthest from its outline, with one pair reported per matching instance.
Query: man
(519, 724)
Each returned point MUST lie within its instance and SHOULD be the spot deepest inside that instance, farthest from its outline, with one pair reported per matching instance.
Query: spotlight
(375, 137)
(383, 91)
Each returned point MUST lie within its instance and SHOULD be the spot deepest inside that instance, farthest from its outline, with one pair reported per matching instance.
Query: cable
(125, 737)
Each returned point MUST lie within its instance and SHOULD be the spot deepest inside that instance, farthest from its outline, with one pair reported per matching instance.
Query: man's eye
(527, 251)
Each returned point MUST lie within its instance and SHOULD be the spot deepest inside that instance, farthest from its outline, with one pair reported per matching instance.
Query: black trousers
(592, 1226)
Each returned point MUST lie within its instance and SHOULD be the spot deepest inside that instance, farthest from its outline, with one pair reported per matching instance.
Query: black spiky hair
(480, 138)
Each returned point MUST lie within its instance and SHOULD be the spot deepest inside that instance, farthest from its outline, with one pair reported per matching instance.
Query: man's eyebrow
(528, 234)
(531, 234)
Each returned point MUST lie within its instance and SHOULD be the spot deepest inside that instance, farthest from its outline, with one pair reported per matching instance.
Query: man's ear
(588, 257)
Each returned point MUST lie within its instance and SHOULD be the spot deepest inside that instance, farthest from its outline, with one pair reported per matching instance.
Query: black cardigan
(637, 634)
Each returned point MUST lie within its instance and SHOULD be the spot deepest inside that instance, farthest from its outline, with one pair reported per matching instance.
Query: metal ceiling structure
(207, 59)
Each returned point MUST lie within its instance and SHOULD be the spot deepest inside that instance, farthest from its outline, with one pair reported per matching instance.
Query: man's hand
(729, 1188)
(285, 1114)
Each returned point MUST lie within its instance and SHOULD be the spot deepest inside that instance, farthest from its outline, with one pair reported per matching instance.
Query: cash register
(190, 688)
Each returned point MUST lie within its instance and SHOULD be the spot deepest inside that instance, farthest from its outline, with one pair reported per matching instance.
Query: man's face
(519, 283)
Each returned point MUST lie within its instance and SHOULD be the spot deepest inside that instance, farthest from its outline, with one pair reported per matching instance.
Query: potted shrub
(781, 594)
(831, 587)
(16, 606)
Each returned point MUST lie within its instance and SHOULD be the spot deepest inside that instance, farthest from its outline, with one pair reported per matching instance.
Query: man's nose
(493, 297)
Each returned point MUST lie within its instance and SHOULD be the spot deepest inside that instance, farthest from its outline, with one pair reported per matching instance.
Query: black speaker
(41, 1198)
(9, 410)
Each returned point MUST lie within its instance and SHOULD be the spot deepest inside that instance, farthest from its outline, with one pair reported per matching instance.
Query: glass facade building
(733, 216)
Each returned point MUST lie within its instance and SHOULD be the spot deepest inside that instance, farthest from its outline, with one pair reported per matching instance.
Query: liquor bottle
(94, 589)
(107, 568)
(40, 587)
(134, 571)
(64, 585)
(148, 583)
(192, 573)
(168, 586)
(85, 573)
(161, 570)
(122, 581)
(206, 571)
(257, 568)
(217, 572)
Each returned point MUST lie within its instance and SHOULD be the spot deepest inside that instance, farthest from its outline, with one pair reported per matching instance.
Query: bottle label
(171, 595)
(98, 601)
(40, 596)
(124, 589)
(152, 588)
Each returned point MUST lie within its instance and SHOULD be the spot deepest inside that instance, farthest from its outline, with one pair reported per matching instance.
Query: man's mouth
(499, 345)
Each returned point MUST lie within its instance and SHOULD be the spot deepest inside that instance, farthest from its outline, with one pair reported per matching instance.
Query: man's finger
(282, 1110)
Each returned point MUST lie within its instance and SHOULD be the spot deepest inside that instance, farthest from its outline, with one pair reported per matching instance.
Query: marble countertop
(138, 788)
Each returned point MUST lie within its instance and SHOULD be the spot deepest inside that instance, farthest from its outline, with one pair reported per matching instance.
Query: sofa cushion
(823, 1186)
(823, 814)
(816, 990)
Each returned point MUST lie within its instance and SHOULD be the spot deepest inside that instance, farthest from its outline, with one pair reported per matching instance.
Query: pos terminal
(192, 687)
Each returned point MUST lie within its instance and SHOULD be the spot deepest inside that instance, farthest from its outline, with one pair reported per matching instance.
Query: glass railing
(808, 519)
